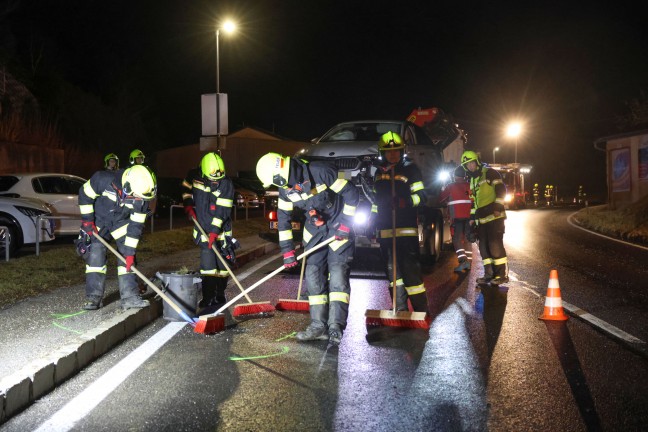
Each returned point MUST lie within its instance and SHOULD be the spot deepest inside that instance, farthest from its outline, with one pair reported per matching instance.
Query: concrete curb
(36, 379)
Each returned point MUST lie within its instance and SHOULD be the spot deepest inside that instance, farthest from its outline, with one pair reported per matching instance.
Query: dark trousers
(491, 246)
(459, 229)
(409, 283)
(96, 273)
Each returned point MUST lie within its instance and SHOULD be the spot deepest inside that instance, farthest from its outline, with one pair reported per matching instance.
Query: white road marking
(582, 314)
(66, 418)
(569, 220)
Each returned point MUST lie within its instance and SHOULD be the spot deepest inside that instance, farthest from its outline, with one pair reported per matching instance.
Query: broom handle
(301, 278)
(222, 260)
(274, 273)
(394, 272)
(145, 279)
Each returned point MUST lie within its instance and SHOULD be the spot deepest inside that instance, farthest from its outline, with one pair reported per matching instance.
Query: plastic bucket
(184, 290)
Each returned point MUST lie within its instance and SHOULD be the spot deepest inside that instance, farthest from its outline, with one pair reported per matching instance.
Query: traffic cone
(553, 310)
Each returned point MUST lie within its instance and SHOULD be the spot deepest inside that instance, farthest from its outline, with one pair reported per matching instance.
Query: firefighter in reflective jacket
(536, 194)
(488, 214)
(409, 193)
(459, 204)
(208, 196)
(114, 204)
(330, 204)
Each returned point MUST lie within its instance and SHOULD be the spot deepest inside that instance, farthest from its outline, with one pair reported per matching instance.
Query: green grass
(628, 223)
(31, 275)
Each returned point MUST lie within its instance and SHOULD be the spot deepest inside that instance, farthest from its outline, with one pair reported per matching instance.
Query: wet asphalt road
(486, 363)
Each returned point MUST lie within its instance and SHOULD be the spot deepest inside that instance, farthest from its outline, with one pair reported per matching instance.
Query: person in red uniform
(457, 195)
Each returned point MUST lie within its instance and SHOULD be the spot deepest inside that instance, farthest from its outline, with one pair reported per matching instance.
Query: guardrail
(48, 217)
(6, 240)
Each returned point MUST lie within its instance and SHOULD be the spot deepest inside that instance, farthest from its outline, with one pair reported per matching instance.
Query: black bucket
(184, 290)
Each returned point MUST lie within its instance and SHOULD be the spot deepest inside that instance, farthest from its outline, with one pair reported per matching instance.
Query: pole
(218, 129)
(494, 150)
(516, 142)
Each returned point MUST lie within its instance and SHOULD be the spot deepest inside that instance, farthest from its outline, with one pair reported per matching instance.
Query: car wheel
(432, 245)
(12, 234)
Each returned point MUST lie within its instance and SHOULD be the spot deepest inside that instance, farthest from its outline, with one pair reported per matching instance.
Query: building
(626, 167)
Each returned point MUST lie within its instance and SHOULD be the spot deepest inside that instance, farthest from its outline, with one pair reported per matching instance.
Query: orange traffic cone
(553, 309)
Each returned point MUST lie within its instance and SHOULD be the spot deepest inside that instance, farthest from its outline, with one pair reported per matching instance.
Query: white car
(60, 192)
(19, 216)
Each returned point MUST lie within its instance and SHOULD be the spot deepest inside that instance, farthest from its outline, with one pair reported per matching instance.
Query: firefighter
(582, 196)
(408, 194)
(113, 204)
(208, 196)
(488, 214)
(547, 195)
(136, 157)
(536, 194)
(459, 204)
(111, 162)
(330, 204)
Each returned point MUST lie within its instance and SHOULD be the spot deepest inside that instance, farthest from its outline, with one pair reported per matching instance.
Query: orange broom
(239, 310)
(295, 305)
(213, 323)
(391, 318)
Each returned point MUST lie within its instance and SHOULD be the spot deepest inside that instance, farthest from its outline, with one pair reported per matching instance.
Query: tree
(637, 113)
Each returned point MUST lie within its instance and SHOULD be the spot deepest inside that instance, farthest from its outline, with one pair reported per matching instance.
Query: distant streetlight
(513, 130)
(494, 150)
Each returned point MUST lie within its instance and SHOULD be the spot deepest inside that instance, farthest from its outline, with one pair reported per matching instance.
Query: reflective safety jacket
(316, 187)
(410, 193)
(212, 202)
(488, 191)
(102, 201)
(458, 196)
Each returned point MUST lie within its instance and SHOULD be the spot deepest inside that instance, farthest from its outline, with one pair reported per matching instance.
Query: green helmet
(391, 141)
(469, 156)
(273, 169)
(212, 166)
(140, 182)
(111, 156)
(137, 153)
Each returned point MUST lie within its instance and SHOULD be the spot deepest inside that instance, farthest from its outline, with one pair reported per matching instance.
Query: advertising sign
(620, 163)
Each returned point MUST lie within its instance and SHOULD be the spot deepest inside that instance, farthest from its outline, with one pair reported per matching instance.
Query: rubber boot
(419, 302)
(134, 302)
(209, 285)
(315, 331)
(93, 303)
(463, 265)
(221, 284)
(401, 297)
(501, 276)
(488, 275)
(335, 334)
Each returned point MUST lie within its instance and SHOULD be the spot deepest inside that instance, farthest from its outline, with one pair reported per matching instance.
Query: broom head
(398, 319)
(257, 308)
(210, 324)
(293, 305)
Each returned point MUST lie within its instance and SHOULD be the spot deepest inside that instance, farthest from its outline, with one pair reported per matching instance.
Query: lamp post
(513, 130)
(229, 27)
(494, 150)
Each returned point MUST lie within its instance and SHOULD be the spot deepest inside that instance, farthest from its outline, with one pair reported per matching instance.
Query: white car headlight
(508, 198)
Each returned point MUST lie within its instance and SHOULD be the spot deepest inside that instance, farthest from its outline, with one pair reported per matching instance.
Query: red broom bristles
(210, 324)
(253, 309)
(400, 319)
(293, 305)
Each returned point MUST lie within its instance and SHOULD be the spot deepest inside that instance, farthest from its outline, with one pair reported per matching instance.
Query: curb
(36, 379)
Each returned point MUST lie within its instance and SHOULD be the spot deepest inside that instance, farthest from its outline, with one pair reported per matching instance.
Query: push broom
(159, 292)
(239, 310)
(295, 305)
(215, 322)
(392, 318)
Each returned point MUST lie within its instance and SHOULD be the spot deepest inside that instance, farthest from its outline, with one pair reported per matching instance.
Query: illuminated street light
(494, 150)
(513, 130)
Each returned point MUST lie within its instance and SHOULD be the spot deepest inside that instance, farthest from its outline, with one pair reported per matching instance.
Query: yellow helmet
(140, 182)
(212, 166)
(111, 156)
(137, 153)
(469, 156)
(273, 169)
(391, 141)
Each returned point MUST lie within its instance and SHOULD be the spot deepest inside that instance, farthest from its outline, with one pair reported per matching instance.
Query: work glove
(227, 248)
(289, 259)
(342, 232)
(190, 212)
(315, 218)
(212, 238)
(130, 260)
(89, 228)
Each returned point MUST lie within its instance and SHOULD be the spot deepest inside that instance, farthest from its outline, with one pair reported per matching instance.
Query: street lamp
(494, 150)
(228, 27)
(513, 130)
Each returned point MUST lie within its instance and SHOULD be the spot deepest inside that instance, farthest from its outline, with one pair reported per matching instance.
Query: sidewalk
(44, 340)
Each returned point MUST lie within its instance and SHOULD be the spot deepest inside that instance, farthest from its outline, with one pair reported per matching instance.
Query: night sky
(299, 67)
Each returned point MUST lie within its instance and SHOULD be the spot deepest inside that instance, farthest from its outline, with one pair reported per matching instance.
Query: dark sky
(299, 67)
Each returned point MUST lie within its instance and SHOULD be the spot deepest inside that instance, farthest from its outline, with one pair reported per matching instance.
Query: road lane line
(87, 400)
(583, 314)
(66, 418)
(570, 222)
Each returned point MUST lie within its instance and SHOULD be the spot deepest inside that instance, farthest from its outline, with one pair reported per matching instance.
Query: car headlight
(508, 198)
(27, 211)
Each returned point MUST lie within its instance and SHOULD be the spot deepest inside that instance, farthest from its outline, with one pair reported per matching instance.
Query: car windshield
(369, 131)
(6, 182)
